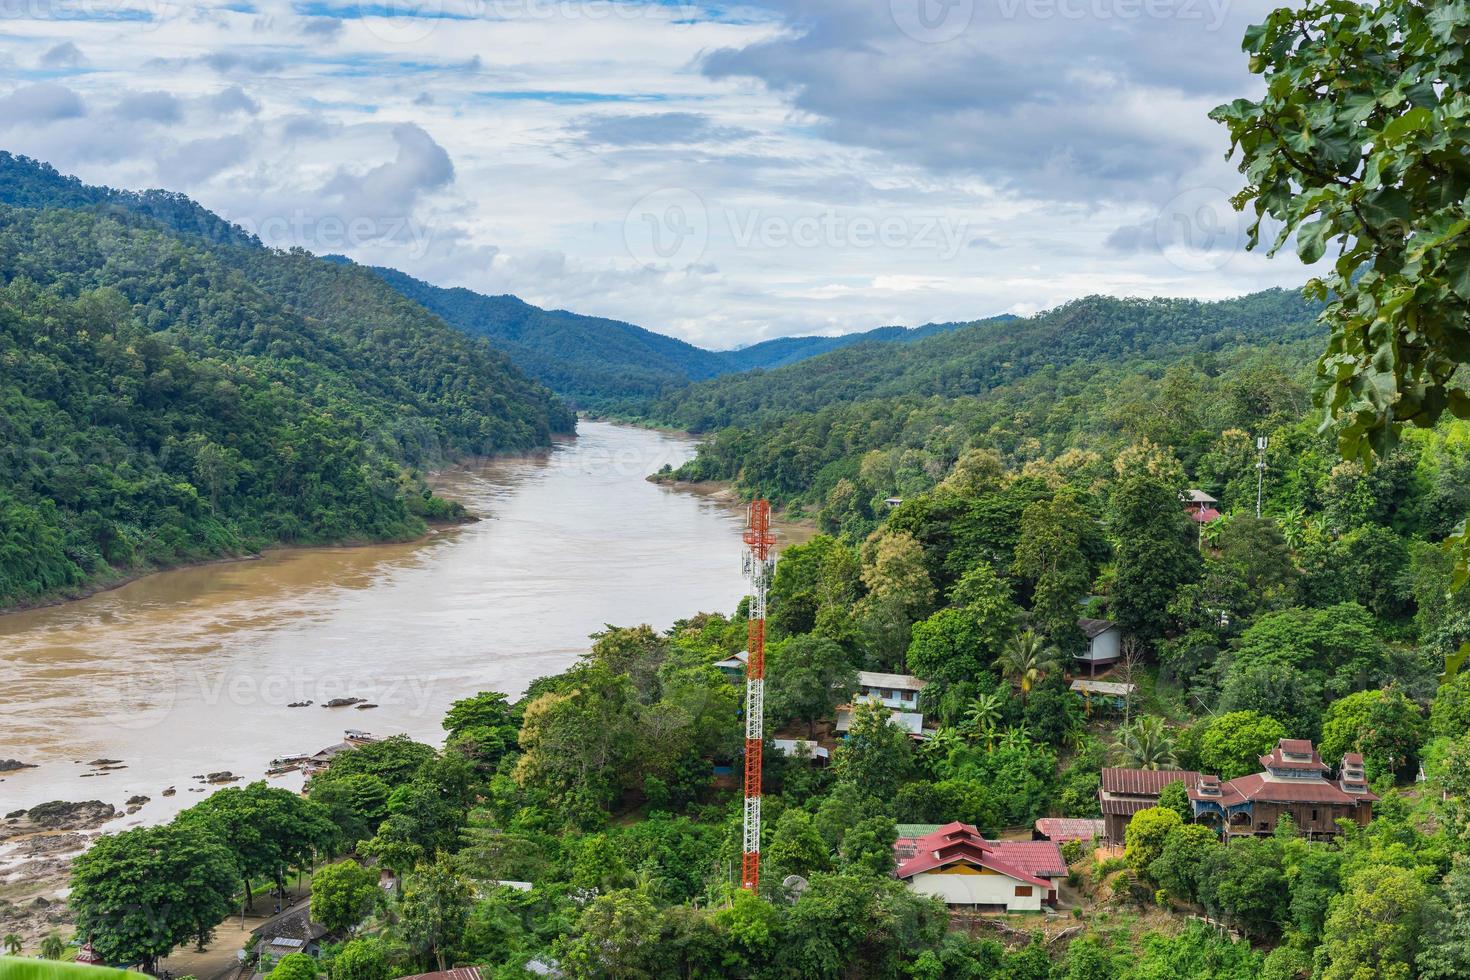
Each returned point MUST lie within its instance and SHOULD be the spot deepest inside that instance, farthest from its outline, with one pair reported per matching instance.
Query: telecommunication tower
(759, 563)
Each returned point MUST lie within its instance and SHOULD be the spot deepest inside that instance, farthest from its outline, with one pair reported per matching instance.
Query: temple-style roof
(1294, 773)
(958, 843)
(1294, 755)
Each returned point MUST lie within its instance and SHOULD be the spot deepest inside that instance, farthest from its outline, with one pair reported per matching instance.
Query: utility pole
(1261, 443)
(759, 562)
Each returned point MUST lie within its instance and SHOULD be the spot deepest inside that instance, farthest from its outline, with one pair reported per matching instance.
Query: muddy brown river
(191, 672)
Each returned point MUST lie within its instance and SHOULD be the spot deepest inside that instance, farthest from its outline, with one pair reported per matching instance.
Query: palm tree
(1026, 660)
(11, 943)
(1018, 737)
(937, 747)
(983, 716)
(1145, 743)
(53, 947)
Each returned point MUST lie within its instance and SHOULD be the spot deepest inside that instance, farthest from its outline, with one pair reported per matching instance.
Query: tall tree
(1355, 140)
(341, 894)
(1027, 659)
(876, 755)
(1050, 556)
(432, 915)
(140, 893)
(269, 829)
(1154, 551)
(810, 677)
(1376, 924)
(1145, 743)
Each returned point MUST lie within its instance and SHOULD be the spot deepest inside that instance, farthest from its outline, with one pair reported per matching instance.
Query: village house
(1124, 792)
(1200, 506)
(1059, 830)
(957, 865)
(816, 753)
(734, 667)
(891, 690)
(910, 721)
(1295, 783)
(292, 931)
(1112, 695)
(897, 692)
(1104, 644)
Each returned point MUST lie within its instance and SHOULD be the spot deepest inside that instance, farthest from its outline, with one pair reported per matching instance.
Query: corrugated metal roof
(1143, 782)
(458, 973)
(1070, 828)
(1094, 627)
(1111, 688)
(1041, 858)
(902, 682)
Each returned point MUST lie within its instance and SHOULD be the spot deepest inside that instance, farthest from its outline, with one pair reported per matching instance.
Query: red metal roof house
(957, 864)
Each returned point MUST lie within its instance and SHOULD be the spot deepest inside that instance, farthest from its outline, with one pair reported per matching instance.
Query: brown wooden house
(1294, 781)
(1126, 791)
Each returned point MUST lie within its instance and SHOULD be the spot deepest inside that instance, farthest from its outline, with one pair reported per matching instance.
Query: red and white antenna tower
(760, 560)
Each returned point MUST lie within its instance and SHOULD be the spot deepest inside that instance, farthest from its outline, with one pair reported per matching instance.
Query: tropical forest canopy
(166, 398)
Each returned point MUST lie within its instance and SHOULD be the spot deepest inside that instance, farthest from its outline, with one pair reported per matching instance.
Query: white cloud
(506, 145)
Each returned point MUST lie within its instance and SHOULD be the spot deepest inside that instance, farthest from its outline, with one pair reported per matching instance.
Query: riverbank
(724, 492)
(117, 578)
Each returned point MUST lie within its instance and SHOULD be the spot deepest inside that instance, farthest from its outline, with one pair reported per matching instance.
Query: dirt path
(220, 959)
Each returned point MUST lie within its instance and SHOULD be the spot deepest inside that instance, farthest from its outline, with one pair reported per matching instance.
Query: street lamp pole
(1261, 443)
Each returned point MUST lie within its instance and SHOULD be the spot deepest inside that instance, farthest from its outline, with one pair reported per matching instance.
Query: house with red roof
(1123, 792)
(1063, 829)
(1200, 506)
(957, 865)
(1295, 782)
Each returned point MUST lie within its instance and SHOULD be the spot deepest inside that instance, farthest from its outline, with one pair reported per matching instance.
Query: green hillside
(603, 364)
(166, 399)
(590, 360)
(788, 350)
(1090, 373)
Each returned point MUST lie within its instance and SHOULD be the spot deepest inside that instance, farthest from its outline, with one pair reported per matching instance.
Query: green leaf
(1311, 240)
(1416, 120)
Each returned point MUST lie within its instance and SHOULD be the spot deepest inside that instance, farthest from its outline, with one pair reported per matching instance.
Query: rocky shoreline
(36, 850)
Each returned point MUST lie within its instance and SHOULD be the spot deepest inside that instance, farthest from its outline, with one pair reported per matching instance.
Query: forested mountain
(600, 363)
(788, 350)
(980, 356)
(31, 183)
(1094, 373)
(166, 398)
(587, 359)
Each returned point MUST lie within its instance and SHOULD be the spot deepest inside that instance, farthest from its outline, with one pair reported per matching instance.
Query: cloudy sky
(724, 173)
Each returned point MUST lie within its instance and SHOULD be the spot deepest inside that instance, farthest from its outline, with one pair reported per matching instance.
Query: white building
(910, 721)
(1104, 643)
(899, 691)
(957, 865)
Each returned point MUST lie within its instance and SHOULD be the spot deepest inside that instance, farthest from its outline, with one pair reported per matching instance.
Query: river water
(191, 672)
